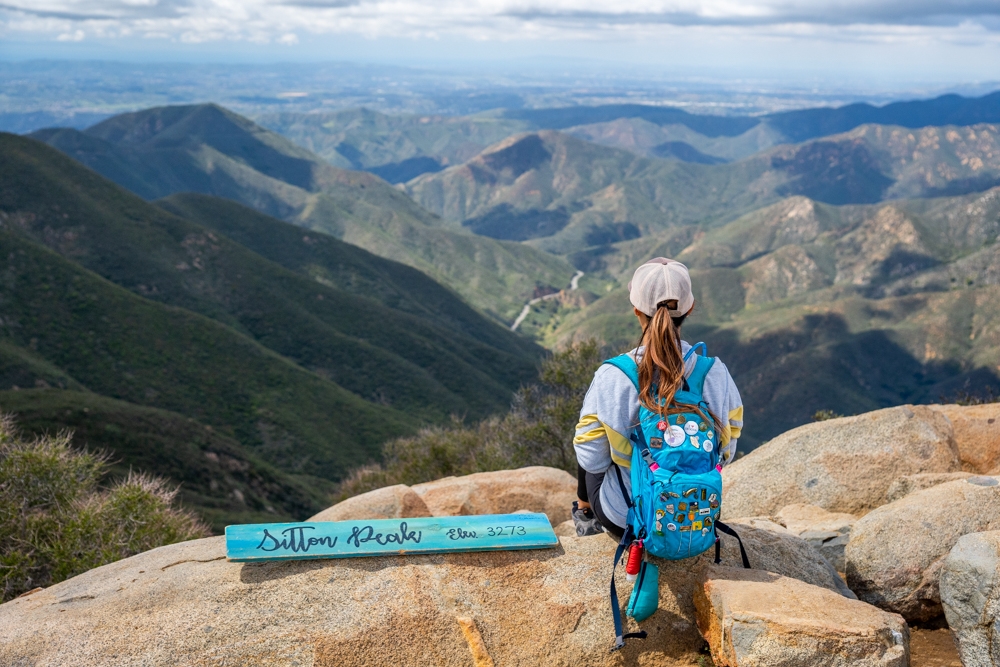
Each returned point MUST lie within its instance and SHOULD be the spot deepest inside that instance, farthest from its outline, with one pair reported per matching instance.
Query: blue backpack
(676, 486)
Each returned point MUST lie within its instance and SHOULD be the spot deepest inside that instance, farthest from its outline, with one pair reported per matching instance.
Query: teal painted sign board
(381, 537)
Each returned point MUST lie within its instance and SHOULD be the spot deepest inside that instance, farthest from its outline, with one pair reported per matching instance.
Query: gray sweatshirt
(611, 409)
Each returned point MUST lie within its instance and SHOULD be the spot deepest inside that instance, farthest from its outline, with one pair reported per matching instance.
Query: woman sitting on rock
(660, 292)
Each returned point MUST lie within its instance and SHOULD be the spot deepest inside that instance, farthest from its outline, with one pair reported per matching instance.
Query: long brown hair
(661, 367)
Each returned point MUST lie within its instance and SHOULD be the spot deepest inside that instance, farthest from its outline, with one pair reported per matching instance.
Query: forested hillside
(306, 358)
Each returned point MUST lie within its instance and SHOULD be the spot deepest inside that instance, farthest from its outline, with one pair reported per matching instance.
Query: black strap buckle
(620, 641)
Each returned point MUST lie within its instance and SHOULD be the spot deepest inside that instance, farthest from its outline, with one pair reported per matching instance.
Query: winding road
(573, 284)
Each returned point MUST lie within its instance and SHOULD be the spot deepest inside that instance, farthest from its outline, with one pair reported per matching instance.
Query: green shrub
(56, 522)
(538, 430)
(823, 415)
(965, 397)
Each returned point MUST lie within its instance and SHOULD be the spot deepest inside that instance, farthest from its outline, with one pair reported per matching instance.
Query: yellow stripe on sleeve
(593, 434)
(731, 430)
(621, 447)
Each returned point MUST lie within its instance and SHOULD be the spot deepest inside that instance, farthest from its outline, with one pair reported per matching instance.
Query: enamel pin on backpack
(676, 488)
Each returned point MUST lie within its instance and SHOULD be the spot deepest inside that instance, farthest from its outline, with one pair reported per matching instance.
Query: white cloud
(75, 36)
(283, 21)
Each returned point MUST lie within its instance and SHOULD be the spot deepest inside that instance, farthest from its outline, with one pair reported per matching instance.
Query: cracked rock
(970, 594)
(896, 552)
(751, 618)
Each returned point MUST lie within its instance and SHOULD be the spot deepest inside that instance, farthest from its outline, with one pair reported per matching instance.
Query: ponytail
(661, 367)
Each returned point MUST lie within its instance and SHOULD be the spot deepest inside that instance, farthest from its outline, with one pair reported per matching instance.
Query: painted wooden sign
(378, 537)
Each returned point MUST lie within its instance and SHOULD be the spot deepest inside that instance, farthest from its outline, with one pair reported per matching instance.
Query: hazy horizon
(887, 45)
(48, 93)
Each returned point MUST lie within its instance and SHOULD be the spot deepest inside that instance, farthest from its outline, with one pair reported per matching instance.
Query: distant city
(45, 93)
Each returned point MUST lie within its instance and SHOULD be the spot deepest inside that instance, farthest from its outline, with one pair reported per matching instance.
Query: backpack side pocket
(645, 594)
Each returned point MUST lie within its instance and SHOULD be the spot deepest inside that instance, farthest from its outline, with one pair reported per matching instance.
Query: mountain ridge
(795, 126)
(588, 191)
(355, 206)
(401, 147)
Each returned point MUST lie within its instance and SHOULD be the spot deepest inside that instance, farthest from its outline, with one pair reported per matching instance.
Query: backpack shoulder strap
(626, 364)
(702, 365)
(696, 381)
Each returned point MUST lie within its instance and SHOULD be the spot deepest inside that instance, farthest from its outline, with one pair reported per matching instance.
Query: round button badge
(707, 445)
(675, 436)
(691, 427)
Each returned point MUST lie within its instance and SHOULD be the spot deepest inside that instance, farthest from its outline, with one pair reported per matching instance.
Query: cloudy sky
(911, 39)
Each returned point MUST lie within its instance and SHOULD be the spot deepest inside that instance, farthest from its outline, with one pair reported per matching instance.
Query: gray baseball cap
(658, 280)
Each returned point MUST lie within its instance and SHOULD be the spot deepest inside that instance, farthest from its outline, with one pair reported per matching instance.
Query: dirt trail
(573, 284)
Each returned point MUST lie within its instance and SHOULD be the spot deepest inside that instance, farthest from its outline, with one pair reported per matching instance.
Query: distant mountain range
(209, 150)
(844, 271)
(564, 194)
(796, 125)
(399, 148)
(396, 148)
(302, 353)
(734, 137)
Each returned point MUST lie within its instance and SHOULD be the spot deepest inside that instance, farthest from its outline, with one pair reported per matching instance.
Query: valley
(209, 150)
(324, 283)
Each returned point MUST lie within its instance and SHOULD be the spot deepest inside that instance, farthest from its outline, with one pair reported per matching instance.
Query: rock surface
(800, 518)
(977, 434)
(970, 594)
(565, 529)
(390, 502)
(827, 532)
(185, 604)
(773, 548)
(907, 484)
(896, 552)
(841, 465)
(536, 488)
(753, 618)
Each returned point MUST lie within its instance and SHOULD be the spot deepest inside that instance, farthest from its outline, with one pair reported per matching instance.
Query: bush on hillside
(824, 415)
(987, 395)
(56, 521)
(538, 430)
